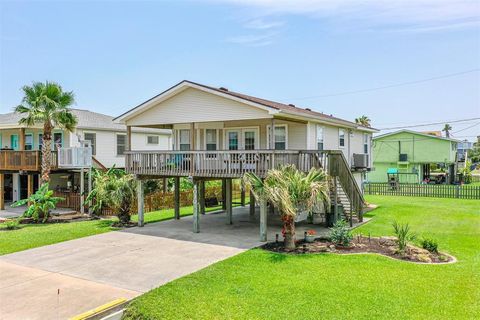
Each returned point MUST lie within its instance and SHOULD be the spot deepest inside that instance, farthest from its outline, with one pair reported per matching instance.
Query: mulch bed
(384, 245)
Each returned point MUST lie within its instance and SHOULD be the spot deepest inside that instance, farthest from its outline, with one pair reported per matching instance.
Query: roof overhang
(416, 133)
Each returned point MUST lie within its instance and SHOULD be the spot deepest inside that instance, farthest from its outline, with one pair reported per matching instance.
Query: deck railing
(219, 164)
(234, 164)
(24, 160)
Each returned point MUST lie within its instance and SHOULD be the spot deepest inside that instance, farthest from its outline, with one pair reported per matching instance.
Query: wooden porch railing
(24, 160)
(219, 164)
(234, 164)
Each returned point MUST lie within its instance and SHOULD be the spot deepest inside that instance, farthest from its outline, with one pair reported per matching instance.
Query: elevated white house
(20, 155)
(221, 134)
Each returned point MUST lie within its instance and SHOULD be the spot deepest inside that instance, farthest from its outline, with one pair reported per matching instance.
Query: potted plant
(310, 235)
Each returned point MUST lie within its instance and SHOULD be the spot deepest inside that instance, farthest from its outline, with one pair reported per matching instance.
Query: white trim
(152, 135)
(116, 143)
(318, 126)
(276, 126)
(345, 133)
(217, 137)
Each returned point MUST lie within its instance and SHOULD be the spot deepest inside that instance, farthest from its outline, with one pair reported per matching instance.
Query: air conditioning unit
(360, 160)
(403, 157)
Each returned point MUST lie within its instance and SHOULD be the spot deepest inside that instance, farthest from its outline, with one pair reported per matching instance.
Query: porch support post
(272, 142)
(140, 203)
(202, 197)
(252, 207)
(82, 191)
(242, 193)
(21, 138)
(29, 185)
(177, 198)
(90, 188)
(2, 191)
(196, 207)
(129, 138)
(228, 200)
(263, 220)
(224, 192)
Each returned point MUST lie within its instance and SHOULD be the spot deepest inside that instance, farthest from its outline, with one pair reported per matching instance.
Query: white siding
(193, 105)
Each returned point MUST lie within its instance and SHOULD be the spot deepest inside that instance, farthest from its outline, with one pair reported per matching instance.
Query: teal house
(407, 156)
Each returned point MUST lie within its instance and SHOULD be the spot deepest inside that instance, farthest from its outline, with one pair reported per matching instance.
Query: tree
(291, 191)
(47, 104)
(116, 190)
(363, 120)
(447, 128)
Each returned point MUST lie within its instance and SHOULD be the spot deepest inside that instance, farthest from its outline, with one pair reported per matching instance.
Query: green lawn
(263, 285)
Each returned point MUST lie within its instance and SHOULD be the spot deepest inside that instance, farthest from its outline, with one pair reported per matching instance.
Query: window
(249, 140)
(365, 143)
(153, 140)
(40, 141)
(121, 144)
(233, 140)
(319, 137)
(184, 140)
(211, 139)
(341, 137)
(29, 141)
(280, 138)
(92, 137)
(57, 140)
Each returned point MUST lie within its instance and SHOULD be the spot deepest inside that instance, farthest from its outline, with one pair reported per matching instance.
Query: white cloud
(261, 24)
(253, 40)
(406, 15)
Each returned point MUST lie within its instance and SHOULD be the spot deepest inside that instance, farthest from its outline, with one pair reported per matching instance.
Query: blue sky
(114, 55)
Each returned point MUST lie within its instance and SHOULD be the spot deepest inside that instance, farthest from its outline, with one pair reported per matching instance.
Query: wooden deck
(11, 160)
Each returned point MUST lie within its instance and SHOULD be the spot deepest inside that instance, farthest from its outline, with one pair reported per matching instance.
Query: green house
(408, 157)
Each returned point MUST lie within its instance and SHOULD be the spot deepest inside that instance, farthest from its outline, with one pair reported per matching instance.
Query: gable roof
(272, 106)
(414, 132)
(86, 120)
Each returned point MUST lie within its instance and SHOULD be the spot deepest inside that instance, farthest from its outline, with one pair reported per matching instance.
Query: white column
(140, 203)
(196, 207)
(263, 220)
(228, 200)
(89, 188)
(82, 191)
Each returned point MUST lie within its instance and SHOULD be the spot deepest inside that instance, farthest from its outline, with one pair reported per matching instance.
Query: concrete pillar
(224, 191)
(263, 220)
(252, 207)
(140, 203)
(196, 207)
(177, 197)
(2, 191)
(228, 200)
(202, 197)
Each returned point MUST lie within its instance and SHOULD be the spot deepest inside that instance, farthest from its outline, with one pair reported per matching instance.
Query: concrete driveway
(68, 278)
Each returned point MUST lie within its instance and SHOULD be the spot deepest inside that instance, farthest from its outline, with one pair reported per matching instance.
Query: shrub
(430, 244)
(41, 202)
(11, 224)
(340, 234)
(404, 235)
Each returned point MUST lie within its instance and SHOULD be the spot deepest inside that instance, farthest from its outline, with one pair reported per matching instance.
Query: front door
(14, 141)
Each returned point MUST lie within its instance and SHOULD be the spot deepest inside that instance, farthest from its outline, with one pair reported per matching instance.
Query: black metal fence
(423, 190)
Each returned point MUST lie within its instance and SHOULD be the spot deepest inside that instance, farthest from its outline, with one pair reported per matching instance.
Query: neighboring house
(218, 133)
(462, 148)
(20, 146)
(407, 156)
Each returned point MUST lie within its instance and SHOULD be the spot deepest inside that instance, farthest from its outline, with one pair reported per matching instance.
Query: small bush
(430, 245)
(340, 234)
(404, 235)
(11, 224)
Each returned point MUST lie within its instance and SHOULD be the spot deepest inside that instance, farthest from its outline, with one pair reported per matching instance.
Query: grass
(264, 285)
(37, 235)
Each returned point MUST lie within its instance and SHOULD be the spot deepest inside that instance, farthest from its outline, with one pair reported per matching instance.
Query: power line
(429, 124)
(400, 84)
(473, 125)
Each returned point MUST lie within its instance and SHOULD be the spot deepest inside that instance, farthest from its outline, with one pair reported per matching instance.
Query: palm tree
(447, 130)
(47, 104)
(363, 120)
(291, 191)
